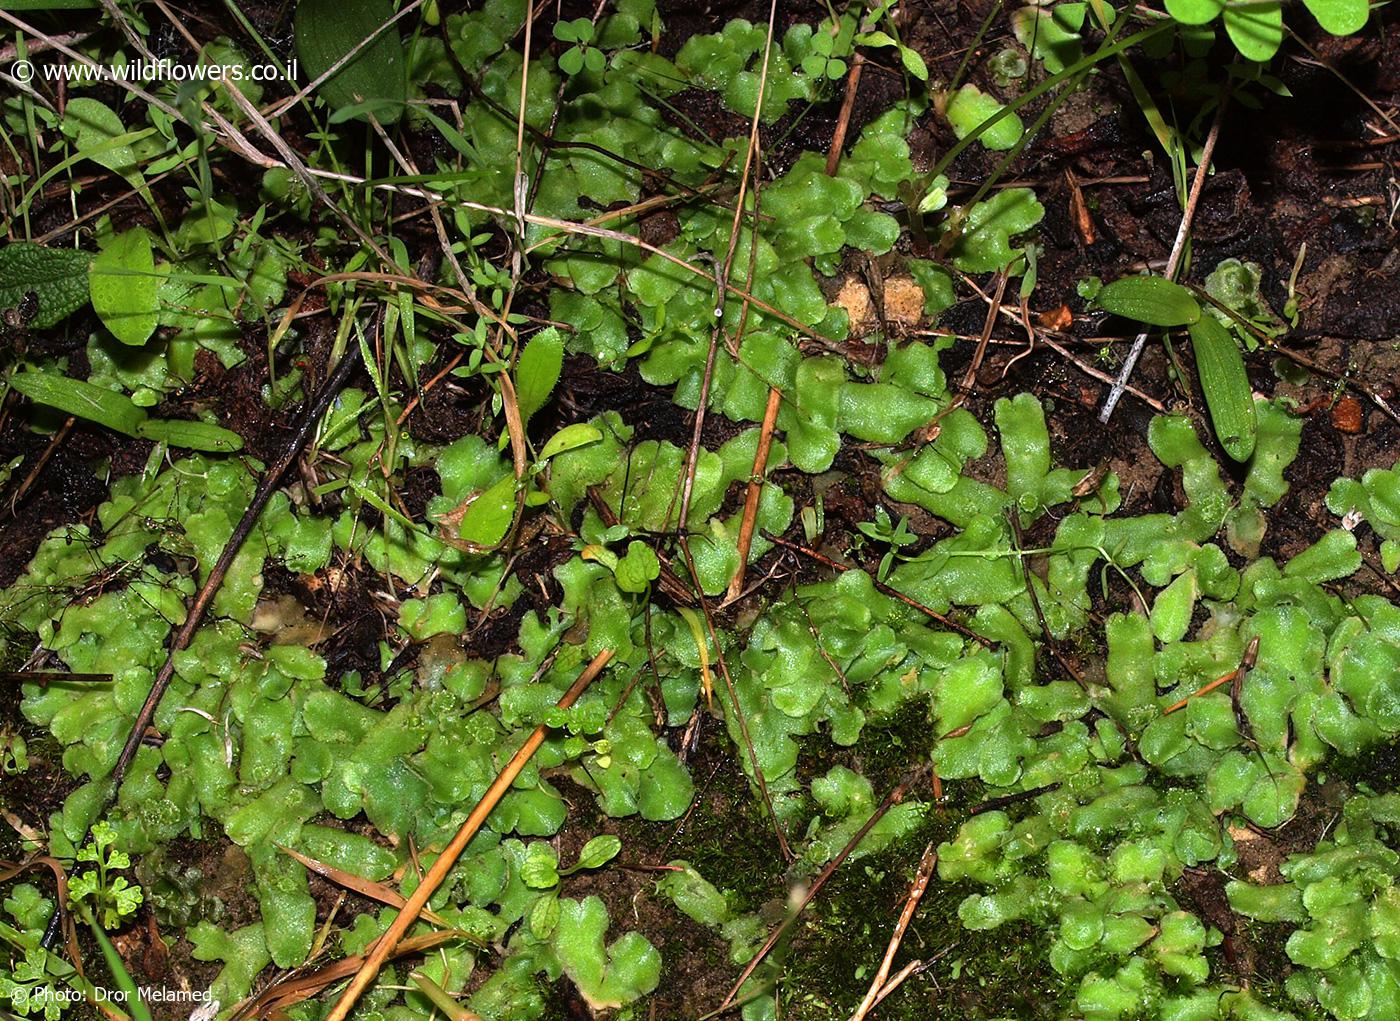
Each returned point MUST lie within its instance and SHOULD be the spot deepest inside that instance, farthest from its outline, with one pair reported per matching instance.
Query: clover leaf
(581, 55)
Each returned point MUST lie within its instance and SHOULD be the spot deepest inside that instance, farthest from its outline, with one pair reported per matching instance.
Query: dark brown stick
(197, 609)
(1011, 516)
(970, 377)
(47, 677)
(1011, 799)
(722, 270)
(39, 464)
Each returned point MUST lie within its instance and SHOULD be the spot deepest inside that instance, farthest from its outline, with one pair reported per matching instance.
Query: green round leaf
(970, 107)
(1195, 12)
(571, 60)
(1340, 17)
(1256, 30)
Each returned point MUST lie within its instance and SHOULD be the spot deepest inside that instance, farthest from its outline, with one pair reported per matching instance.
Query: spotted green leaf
(1226, 386)
(57, 277)
(1340, 17)
(327, 30)
(1152, 300)
(125, 287)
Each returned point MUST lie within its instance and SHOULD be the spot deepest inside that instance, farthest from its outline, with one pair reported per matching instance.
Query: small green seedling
(830, 47)
(104, 901)
(1236, 285)
(894, 535)
(876, 38)
(540, 870)
(634, 572)
(103, 896)
(581, 54)
(969, 107)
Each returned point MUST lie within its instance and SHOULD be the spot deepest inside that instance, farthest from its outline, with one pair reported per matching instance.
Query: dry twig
(911, 904)
(755, 490)
(387, 943)
(310, 418)
(1198, 183)
(1246, 664)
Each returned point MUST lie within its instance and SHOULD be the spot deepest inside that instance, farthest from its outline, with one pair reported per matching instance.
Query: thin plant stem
(1198, 183)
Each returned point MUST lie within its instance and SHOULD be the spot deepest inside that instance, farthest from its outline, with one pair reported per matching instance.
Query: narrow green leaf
(441, 998)
(120, 976)
(1226, 386)
(599, 851)
(913, 63)
(537, 371)
(191, 435)
(125, 287)
(876, 39)
(76, 397)
(1153, 300)
(454, 137)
